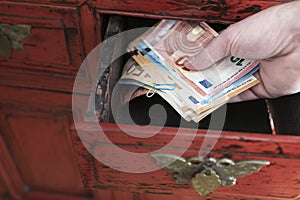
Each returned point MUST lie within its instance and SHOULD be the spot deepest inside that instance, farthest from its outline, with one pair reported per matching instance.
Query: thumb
(217, 49)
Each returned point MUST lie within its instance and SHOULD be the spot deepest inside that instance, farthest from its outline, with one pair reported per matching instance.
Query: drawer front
(279, 180)
(54, 42)
(226, 11)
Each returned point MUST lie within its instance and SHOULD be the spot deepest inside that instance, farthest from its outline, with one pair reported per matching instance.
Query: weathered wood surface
(35, 101)
(60, 36)
(35, 128)
(111, 68)
(225, 11)
(11, 183)
(36, 110)
(53, 2)
(52, 196)
(282, 151)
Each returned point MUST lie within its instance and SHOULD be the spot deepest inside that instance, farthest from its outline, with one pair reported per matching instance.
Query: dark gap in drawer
(249, 116)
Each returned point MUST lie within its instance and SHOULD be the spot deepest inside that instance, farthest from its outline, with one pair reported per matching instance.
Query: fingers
(215, 51)
(281, 76)
(256, 92)
(244, 96)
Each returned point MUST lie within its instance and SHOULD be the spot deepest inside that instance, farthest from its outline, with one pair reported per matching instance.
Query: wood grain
(35, 126)
(71, 3)
(54, 42)
(51, 196)
(10, 177)
(281, 151)
(36, 148)
(3, 188)
(225, 11)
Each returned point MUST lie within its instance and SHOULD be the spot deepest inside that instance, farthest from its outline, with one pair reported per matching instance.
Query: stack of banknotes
(158, 65)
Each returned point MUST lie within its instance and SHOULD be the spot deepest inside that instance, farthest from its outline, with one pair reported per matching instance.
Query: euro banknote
(158, 65)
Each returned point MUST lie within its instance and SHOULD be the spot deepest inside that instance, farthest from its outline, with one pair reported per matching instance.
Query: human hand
(272, 37)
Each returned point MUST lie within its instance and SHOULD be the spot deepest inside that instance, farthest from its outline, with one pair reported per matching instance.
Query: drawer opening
(252, 116)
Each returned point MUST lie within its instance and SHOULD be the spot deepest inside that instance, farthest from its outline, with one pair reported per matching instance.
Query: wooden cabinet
(56, 41)
(37, 159)
(53, 29)
(41, 155)
(38, 140)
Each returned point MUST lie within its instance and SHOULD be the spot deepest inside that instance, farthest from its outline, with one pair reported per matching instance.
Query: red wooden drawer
(54, 44)
(279, 180)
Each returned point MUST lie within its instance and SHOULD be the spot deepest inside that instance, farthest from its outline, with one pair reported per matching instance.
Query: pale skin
(272, 37)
